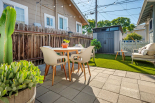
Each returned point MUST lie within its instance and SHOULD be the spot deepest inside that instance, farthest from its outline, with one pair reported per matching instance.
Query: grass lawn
(108, 61)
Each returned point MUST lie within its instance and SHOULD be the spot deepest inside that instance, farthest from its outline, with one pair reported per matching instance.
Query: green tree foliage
(7, 25)
(133, 36)
(96, 43)
(123, 21)
(104, 23)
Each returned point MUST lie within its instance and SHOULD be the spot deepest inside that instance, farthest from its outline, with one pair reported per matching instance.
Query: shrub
(18, 76)
(133, 36)
(96, 43)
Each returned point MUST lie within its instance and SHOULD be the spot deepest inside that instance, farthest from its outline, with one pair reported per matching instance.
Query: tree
(131, 27)
(133, 36)
(104, 23)
(89, 28)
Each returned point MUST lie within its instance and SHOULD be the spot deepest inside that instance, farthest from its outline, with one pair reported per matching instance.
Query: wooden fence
(130, 45)
(27, 41)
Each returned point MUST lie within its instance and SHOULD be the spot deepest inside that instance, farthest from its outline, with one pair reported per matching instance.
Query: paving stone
(108, 96)
(84, 98)
(111, 87)
(147, 97)
(120, 73)
(96, 83)
(78, 85)
(130, 92)
(115, 77)
(91, 90)
(130, 85)
(94, 73)
(47, 84)
(146, 83)
(63, 100)
(113, 81)
(100, 79)
(147, 77)
(98, 100)
(129, 80)
(111, 70)
(98, 70)
(147, 89)
(108, 71)
(69, 93)
(66, 82)
(124, 99)
(40, 91)
(58, 87)
(48, 97)
(103, 75)
(133, 75)
(36, 101)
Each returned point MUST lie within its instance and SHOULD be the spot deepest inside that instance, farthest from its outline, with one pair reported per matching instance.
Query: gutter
(143, 8)
(79, 11)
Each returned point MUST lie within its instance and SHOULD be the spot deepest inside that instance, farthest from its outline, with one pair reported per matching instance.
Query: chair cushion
(151, 46)
(144, 51)
(140, 49)
(137, 55)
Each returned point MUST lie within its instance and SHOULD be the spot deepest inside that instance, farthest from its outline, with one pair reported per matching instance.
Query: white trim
(16, 5)
(79, 24)
(63, 18)
(45, 21)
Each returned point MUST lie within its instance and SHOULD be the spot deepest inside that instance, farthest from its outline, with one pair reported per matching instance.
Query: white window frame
(15, 5)
(79, 24)
(50, 16)
(61, 16)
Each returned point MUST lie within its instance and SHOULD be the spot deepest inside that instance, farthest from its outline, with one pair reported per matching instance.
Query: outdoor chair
(83, 57)
(51, 59)
(146, 53)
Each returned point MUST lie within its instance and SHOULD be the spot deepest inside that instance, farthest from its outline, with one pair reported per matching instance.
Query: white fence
(130, 45)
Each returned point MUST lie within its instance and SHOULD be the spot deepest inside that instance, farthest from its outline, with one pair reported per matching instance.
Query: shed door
(107, 42)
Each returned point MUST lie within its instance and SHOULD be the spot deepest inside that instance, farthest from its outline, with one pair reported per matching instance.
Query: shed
(109, 37)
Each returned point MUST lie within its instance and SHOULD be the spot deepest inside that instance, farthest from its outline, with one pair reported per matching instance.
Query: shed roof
(111, 27)
(145, 11)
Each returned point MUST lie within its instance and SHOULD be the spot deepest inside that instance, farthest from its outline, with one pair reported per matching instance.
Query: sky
(88, 6)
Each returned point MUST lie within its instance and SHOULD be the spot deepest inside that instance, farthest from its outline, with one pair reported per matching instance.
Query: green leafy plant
(133, 36)
(7, 25)
(18, 76)
(96, 43)
(66, 41)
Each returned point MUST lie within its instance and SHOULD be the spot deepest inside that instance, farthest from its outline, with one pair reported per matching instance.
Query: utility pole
(96, 14)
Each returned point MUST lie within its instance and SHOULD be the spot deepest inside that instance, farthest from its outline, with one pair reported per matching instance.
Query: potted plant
(65, 44)
(18, 82)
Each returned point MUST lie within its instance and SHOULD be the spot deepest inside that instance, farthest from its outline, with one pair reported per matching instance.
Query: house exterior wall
(141, 32)
(47, 7)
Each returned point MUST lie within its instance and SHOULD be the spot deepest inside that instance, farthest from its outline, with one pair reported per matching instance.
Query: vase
(64, 45)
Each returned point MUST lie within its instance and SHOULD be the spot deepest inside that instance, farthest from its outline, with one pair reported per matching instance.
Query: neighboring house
(147, 16)
(57, 14)
(140, 29)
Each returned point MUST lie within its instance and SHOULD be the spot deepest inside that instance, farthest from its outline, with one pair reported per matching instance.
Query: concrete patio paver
(84, 98)
(124, 99)
(69, 93)
(48, 97)
(133, 75)
(63, 100)
(103, 86)
(147, 97)
(91, 90)
(111, 87)
(109, 96)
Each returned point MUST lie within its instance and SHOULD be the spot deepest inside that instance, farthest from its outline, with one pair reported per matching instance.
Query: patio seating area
(104, 86)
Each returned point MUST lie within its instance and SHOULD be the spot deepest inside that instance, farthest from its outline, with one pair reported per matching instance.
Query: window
(21, 10)
(114, 29)
(49, 21)
(150, 25)
(78, 27)
(62, 22)
(105, 29)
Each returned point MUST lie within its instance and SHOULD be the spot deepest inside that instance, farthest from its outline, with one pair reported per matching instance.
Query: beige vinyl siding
(31, 4)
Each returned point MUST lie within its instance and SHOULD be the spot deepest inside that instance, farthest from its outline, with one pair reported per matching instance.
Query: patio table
(67, 50)
(123, 55)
